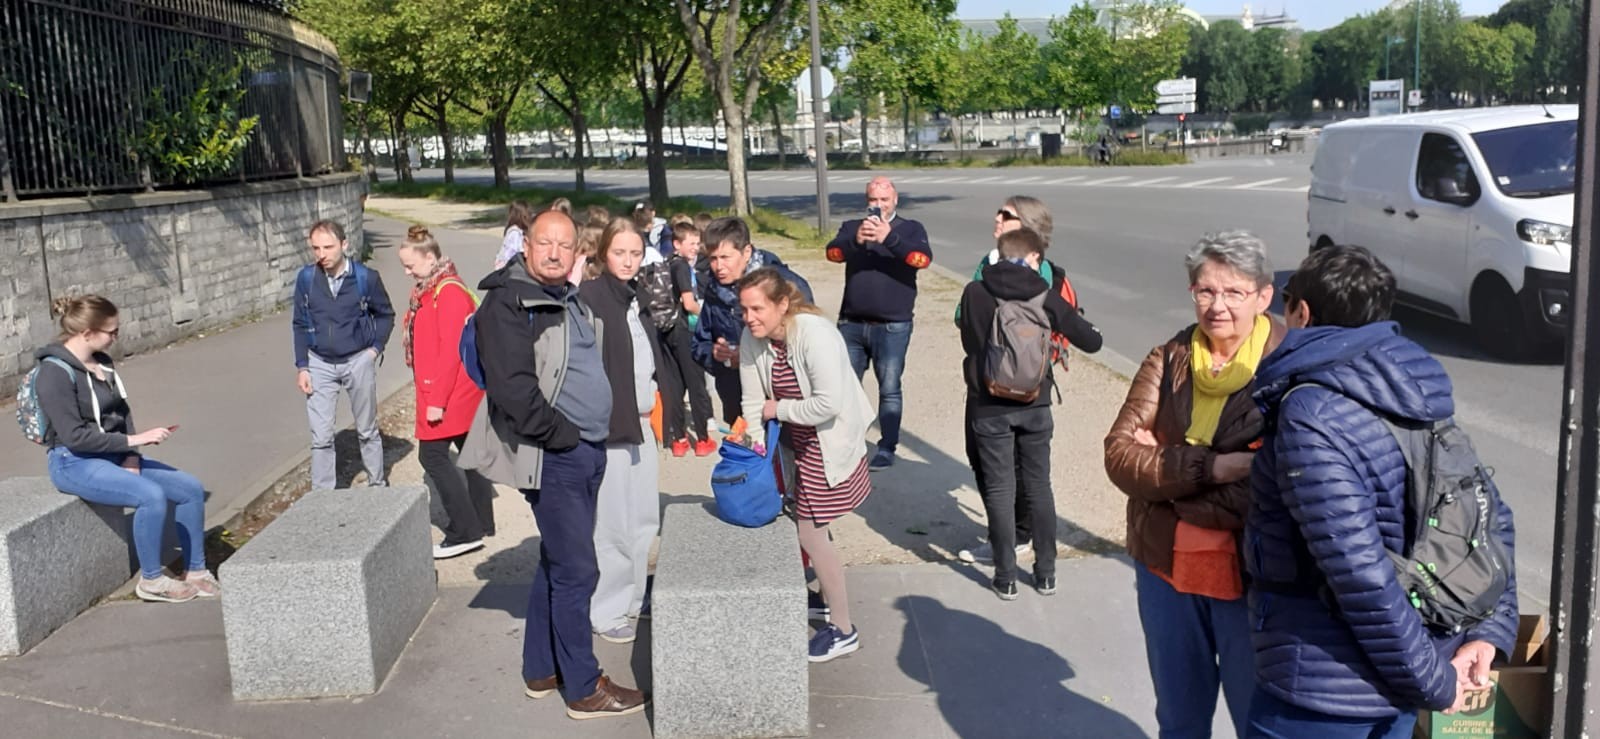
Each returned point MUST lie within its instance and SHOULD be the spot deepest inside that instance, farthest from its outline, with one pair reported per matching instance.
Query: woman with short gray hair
(1181, 450)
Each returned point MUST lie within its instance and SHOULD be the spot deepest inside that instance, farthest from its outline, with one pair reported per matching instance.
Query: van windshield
(1532, 161)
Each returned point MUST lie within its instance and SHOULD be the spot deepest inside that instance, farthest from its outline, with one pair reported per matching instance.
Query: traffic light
(1182, 117)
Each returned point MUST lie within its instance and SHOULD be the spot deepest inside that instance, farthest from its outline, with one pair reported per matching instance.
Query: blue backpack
(35, 425)
(302, 288)
(745, 484)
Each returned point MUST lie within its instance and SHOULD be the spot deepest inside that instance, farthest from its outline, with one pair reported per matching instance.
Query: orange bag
(1206, 562)
(655, 418)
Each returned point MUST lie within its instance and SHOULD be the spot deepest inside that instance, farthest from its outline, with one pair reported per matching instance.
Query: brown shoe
(542, 687)
(609, 699)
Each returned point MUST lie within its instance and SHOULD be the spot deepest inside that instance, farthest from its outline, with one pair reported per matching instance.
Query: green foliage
(187, 140)
(1123, 158)
(1248, 124)
(459, 193)
(1077, 61)
(903, 47)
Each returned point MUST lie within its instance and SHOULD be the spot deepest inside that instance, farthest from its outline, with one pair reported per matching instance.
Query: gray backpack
(1017, 357)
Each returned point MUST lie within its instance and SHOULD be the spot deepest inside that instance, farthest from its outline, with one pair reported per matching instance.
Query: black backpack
(659, 295)
(1454, 568)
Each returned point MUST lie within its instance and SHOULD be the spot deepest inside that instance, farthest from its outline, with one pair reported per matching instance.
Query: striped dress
(814, 500)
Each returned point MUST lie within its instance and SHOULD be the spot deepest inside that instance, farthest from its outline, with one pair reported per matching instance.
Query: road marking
(1068, 180)
(1107, 181)
(1202, 183)
(1023, 180)
(1148, 183)
(980, 181)
(1253, 185)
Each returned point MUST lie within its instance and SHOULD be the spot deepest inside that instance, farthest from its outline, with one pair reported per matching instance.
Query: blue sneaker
(829, 642)
(881, 460)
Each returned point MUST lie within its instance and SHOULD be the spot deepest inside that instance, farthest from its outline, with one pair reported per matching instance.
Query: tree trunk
(443, 123)
(738, 183)
(498, 151)
(369, 164)
(777, 129)
(405, 149)
(866, 125)
(580, 135)
(905, 122)
(655, 125)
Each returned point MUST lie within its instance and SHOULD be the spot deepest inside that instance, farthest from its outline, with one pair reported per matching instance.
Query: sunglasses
(1006, 215)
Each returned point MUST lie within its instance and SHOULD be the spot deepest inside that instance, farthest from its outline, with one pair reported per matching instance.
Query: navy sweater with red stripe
(880, 280)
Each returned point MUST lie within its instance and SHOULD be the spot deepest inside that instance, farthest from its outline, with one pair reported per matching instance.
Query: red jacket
(441, 380)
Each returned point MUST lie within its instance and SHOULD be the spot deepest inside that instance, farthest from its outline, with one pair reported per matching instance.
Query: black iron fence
(109, 95)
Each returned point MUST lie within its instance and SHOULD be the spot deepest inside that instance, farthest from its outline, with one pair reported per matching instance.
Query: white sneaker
(441, 551)
(985, 553)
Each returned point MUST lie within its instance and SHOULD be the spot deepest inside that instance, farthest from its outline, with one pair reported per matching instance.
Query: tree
(1269, 68)
(1485, 59)
(578, 53)
(902, 48)
(495, 62)
(1006, 70)
(1152, 51)
(658, 58)
(1220, 59)
(1346, 58)
(1524, 77)
(730, 41)
(1076, 61)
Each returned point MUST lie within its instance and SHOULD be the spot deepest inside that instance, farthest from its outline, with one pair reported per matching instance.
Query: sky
(1312, 14)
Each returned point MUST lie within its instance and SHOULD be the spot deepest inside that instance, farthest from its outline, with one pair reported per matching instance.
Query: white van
(1471, 209)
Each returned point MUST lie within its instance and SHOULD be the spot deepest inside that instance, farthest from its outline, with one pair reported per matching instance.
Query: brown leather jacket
(1172, 481)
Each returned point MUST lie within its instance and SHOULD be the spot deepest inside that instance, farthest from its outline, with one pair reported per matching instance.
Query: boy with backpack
(1379, 551)
(1006, 319)
(666, 288)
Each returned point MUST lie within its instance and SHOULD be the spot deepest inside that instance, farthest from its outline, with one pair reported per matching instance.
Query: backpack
(745, 483)
(468, 348)
(1058, 342)
(1017, 357)
(458, 283)
(1454, 567)
(659, 296)
(30, 416)
(302, 288)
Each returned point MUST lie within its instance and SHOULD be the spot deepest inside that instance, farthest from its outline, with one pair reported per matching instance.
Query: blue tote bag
(745, 486)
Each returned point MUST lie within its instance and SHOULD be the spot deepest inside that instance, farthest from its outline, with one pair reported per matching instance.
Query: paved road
(1122, 233)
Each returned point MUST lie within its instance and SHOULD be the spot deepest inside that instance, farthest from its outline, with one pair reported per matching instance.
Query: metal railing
(78, 82)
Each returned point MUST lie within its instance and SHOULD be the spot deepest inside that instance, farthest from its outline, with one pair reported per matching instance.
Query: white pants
(627, 517)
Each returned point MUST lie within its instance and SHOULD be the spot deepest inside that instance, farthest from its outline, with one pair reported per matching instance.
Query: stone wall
(175, 263)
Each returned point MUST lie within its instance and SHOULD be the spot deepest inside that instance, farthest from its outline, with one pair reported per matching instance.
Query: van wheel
(1497, 320)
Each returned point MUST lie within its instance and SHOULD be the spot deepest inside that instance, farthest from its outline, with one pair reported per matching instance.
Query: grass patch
(1123, 158)
(804, 235)
(489, 195)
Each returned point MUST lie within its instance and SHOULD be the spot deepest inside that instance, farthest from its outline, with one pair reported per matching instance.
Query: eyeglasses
(1006, 215)
(1205, 297)
(112, 333)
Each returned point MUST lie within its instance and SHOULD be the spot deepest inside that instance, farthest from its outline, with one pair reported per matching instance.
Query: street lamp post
(818, 122)
(1416, 70)
(1389, 42)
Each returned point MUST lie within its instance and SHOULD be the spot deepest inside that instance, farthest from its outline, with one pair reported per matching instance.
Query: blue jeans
(100, 478)
(1195, 644)
(557, 640)
(1271, 718)
(884, 346)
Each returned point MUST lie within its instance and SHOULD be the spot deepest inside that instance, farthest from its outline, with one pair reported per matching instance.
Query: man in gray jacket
(549, 400)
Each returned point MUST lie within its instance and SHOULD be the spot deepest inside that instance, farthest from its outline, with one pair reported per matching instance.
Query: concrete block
(323, 601)
(58, 555)
(728, 629)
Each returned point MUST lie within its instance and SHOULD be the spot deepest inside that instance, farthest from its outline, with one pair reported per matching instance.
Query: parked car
(1472, 209)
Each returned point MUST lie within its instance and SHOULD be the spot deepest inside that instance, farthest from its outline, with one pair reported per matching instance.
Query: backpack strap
(302, 289)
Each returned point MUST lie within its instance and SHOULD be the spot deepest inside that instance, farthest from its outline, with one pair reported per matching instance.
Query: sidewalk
(941, 656)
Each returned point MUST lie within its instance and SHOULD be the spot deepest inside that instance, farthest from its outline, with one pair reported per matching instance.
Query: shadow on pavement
(990, 683)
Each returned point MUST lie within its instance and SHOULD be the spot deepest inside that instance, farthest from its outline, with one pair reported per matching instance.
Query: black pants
(728, 394)
(467, 496)
(681, 376)
(1024, 526)
(1013, 454)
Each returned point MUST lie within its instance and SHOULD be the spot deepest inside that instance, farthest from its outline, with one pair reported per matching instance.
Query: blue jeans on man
(1195, 645)
(557, 639)
(884, 346)
(1272, 718)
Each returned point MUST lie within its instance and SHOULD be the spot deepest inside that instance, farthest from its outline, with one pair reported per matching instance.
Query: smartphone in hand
(875, 212)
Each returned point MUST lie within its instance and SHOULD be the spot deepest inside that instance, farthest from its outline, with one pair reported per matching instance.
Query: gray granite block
(58, 555)
(322, 602)
(728, 629)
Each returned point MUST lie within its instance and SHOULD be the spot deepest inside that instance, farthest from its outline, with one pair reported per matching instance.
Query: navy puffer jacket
(1333, 631)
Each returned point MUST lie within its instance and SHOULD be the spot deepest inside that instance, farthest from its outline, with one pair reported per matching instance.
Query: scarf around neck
(1211, 392)
(445, 271)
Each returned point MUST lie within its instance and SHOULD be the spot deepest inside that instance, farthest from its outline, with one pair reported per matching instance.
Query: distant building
(1039, 28)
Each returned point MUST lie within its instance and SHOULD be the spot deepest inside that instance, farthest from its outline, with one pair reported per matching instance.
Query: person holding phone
(882, 255)
(93, 450)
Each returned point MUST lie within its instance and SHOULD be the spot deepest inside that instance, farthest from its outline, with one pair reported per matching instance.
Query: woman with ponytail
(441, 304)
(94, 450)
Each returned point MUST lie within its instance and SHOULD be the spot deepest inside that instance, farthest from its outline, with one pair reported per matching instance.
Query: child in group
(686, 376)
(1010, 427)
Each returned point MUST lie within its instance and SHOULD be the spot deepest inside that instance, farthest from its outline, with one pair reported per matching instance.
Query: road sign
(1175, 108)
(1116, 112)
(802, 85)
(1414, 98)
(1184, 86)
(1169, 99)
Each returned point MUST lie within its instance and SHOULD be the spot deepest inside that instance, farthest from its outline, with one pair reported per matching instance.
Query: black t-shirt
(682, 275)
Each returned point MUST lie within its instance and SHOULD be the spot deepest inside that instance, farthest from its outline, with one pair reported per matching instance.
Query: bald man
(882, 255)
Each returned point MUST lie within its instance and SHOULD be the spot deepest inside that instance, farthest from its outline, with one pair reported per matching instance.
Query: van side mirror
(1450, 190)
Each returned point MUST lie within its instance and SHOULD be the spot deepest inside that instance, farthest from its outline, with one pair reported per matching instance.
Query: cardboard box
(1518, 706)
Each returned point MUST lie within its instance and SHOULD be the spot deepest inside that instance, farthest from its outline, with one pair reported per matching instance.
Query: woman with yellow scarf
(1181, 450)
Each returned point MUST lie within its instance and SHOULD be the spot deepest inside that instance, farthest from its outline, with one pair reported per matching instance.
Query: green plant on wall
(187, 139)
